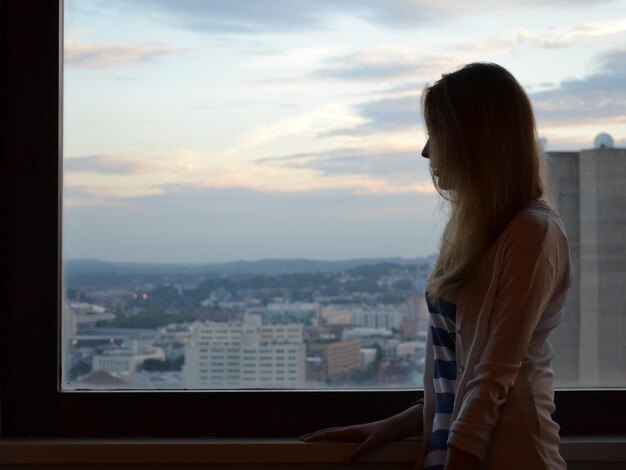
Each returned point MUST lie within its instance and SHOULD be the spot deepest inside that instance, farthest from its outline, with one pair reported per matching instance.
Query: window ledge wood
(193, 451)
(252, 451)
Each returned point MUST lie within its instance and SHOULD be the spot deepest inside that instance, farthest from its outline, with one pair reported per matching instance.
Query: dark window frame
(30, 295)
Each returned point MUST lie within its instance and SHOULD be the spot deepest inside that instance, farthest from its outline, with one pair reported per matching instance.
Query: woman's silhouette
(496, 292)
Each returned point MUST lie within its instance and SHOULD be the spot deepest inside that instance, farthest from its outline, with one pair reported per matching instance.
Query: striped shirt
(442, 330)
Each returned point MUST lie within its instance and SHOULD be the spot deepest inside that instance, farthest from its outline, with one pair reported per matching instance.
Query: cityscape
(359, 326)
(304, 324)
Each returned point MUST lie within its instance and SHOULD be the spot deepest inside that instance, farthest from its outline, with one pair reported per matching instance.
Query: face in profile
(484, 136)
(427, 152)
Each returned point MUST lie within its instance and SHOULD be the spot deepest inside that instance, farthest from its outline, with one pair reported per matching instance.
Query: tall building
(589, 189)
(417, 317)
(244, 355)
(564, 192)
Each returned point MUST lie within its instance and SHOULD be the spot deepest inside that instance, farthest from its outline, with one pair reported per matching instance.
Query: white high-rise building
(379, 318)
(244, 355)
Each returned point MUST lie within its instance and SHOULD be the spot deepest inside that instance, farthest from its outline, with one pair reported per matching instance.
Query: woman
(495, 293)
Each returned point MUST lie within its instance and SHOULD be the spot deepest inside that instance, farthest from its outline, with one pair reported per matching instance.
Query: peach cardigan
(505, 312)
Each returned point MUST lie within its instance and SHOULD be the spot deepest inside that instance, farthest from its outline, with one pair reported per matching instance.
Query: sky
(210, 131)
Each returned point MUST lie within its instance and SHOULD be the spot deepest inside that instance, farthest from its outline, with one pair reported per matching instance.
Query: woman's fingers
(346, 434)
(333, 434)
(313, 435)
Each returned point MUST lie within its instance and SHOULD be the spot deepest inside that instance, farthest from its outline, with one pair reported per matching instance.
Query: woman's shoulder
(534, 231)
(538, 215)
(537, 223)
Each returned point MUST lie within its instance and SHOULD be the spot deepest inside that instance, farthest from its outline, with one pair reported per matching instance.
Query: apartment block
(247, 354)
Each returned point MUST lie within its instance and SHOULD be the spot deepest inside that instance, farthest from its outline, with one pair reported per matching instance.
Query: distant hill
(267, 266)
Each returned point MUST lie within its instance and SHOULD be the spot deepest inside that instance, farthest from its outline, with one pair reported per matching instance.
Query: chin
(442, 184)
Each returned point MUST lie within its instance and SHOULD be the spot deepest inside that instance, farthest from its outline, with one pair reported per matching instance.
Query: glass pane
(245, 205)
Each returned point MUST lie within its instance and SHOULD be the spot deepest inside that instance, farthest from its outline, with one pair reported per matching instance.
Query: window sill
(193, 451)
(250, 451)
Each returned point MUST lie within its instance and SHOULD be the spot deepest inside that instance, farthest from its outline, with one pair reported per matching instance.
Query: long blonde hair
(482, 128)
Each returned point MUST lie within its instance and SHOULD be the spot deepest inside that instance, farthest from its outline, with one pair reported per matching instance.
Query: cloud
(104, 164)
(90, 55)
(384, 115)
(270, 16)
(392, 113)
(381, 63)
(113, 179)
(174, 162)
(397, 170)
(310, 123)
(598, 97)
(557, 38)
(77, 193)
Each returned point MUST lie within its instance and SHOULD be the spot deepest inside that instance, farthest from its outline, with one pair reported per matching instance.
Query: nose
(426, 150)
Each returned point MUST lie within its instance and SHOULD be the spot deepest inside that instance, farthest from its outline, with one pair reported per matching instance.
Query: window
(96, 50)
(32, 403)
(116, 67)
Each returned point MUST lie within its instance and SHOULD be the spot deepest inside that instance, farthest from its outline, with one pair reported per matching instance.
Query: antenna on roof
(603, 141)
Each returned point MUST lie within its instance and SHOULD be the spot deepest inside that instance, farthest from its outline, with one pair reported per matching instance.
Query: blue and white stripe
(442, 331)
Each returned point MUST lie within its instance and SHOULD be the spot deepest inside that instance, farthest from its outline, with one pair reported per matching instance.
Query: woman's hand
(374, 434)
(370, 435)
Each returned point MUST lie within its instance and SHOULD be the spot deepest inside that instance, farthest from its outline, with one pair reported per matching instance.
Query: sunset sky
(209, 131)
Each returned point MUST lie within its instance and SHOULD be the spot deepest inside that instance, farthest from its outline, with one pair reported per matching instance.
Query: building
(410, 349)
(336, 315)
(303, 313)
(390, 319)
(156, 380)
(244, 354)
(126, 360)
(368, 356)
(417, 317)
(589, 190)
(339, 358)
(172, 339)
(78, 315)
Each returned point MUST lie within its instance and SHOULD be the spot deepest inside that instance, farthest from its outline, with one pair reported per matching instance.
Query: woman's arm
(372, 435)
